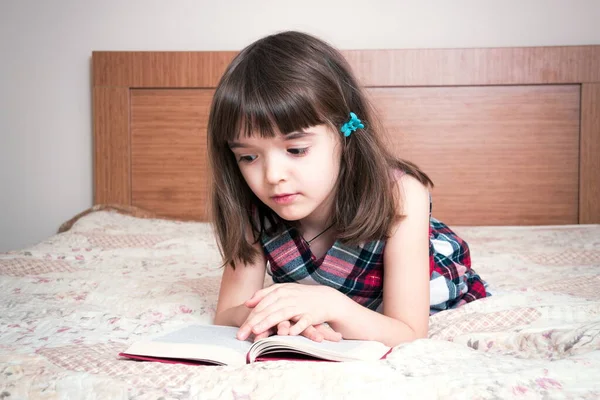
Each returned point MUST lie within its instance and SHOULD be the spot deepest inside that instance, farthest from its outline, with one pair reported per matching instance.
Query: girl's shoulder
(409, 188)
(413, 197)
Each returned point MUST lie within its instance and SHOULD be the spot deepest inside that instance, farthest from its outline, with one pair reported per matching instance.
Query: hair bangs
(275, 108)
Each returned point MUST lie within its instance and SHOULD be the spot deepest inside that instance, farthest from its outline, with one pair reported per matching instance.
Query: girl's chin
(291, 215)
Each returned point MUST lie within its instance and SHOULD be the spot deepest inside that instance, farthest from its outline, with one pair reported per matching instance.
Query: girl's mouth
(284, 198)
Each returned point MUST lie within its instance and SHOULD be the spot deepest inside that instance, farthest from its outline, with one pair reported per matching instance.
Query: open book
(218, 345)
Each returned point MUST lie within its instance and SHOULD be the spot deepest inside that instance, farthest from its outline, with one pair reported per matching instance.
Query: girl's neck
(318, 220)
(320, 245)
(315, 237)
(319, 239)
(311, 230)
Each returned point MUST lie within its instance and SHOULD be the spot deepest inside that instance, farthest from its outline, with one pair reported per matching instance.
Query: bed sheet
(71, 303)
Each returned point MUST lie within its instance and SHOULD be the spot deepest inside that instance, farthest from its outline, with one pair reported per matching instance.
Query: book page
(215, 335)
(210, 343)
(344, 350)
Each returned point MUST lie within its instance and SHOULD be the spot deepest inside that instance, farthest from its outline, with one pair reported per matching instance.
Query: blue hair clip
(352, 125)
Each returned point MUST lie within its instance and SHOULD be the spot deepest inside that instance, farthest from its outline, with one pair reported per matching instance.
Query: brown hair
(291, 81)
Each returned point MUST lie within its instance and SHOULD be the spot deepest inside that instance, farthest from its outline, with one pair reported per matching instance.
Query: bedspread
(71, 303)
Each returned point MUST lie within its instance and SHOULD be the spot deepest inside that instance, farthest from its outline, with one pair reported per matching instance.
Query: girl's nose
(274, 171)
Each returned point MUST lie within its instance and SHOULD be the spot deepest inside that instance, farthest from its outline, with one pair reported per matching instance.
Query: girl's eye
(246, 158)
(298, 152)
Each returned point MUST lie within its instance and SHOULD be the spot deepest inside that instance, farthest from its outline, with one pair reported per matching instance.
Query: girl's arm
(237, 286)
(405, 289)
(406, 279)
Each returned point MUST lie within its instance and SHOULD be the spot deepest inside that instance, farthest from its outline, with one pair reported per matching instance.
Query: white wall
(45, 48)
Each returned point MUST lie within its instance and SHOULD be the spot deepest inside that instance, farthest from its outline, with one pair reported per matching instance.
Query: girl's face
(292, 174)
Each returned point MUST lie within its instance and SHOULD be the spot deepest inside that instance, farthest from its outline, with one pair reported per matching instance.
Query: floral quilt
(72, 302)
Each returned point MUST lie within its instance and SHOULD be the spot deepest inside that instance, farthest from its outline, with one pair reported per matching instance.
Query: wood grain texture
(112, 173)
(169, 165)
(490, 66)
(166, 69)
(403, 67)
(499, 155)
(589, 196)
(514, 128)
(505, 155)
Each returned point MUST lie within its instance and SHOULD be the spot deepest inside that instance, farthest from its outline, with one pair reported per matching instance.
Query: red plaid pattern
(464, 285)
(357, 271)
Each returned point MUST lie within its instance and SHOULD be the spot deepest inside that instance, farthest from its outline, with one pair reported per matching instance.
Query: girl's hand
(305, 305)
(317, 333)
(265, 334)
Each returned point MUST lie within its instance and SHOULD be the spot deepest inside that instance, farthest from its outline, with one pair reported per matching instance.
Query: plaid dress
(357, 271)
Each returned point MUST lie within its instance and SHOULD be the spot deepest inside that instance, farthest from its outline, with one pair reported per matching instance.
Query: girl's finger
(328, 333)
(303, 323)
(259, 296)
(262, 293)
(313, 334)
(264, 335)
(283, 328)
(265, 301)
(256, 298)
(272, 316)
(257, 317)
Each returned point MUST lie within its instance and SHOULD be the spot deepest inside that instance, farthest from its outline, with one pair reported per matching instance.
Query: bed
(510, 137)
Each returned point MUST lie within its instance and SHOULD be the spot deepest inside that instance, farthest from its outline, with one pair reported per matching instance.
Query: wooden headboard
(510, 136)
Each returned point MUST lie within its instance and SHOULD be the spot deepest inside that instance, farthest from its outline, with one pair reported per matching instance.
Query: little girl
(303, 188)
